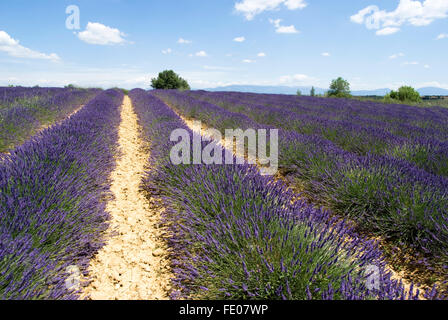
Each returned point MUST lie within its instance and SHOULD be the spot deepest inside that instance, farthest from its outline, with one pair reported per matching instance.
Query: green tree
(339, 88)
(313, 92)
(299, 93)
(404, 94)
(168, 79)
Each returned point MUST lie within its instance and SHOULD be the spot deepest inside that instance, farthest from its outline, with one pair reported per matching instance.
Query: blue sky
(372, 43)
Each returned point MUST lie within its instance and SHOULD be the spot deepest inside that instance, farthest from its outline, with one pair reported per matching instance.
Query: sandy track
(133, 265)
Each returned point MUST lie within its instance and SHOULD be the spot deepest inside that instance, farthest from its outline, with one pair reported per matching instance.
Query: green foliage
(313, 92)
(339, 88)
(404, 94)
(299, 93)
(168, 79)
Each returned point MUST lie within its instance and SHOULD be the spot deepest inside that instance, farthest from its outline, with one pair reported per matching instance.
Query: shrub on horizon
(339, 88)
(168, 79)
(404, 94)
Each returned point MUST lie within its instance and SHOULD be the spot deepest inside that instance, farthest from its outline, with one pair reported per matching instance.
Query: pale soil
(134, 263)
(202, 129)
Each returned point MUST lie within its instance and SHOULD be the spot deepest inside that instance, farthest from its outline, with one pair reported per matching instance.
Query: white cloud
(261, 54)
(96, 77)
(296, 78)
(184, 41)
(442, 36)
(167, 51)
(412, 12)
(201, 54)
(432, 84)
(361, 15)
(326, 54)
(13, 48)
(248, 61)
(396, 55)
(250, 8)
(283, 29)
(410, 63)
(239, 39)
(97, 33)
(217, 68)
(427, 66)
(387, 31)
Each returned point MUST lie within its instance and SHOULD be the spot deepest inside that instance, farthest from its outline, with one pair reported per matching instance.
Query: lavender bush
(25, 110)
(52, 191)
(379, 166)
(235, 234)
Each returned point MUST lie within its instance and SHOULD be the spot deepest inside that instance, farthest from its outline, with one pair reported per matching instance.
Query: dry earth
(134, 263)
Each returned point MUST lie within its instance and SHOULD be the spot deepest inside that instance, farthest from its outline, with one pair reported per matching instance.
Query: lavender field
(362, 188)
(383, 167)
(25, 111)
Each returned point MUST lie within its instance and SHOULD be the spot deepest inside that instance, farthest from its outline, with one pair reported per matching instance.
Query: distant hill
(377, 92)
(268, 89)
(432, 91)
(429, 91)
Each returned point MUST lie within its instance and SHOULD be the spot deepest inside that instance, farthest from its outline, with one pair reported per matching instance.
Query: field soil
(134, 263)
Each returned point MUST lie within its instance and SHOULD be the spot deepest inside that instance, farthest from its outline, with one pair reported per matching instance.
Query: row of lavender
(52, 191)
(388, 197)
(235, 234)
(418, 135)
(23, 111)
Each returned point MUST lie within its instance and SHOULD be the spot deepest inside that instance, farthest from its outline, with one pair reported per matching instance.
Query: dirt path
(133, 265)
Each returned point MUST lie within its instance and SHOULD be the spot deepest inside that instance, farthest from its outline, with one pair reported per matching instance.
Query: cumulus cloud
(13, 48)
(326, 54)
(239, 39)
(283, 29)
(248, 61)
(412, 12)
(261, 54)
(297, 79)
(250, 8)
(387, 31)
(410, 63)
(167, 51)
(184, 41)
(217, 68)
(396, 55)
(442, 36)
(201, 54)
(97, 33)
